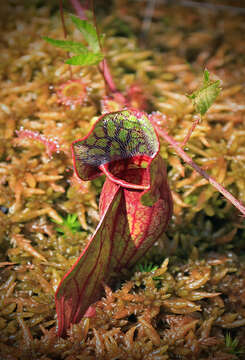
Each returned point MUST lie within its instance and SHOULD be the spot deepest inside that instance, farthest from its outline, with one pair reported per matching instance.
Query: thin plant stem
(105, 71)
(146, 25)
(203, 173)
(64, 28)
(78, 9)
(190, 131)
(62, 18)
(208, 6)
(103, 66)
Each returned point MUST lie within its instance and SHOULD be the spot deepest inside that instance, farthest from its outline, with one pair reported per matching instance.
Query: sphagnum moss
(181, 310)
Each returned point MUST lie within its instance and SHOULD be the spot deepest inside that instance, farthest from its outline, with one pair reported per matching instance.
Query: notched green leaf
(87, 58)
(83, 56)
(204, 97)
(71, 46)
(89, 32)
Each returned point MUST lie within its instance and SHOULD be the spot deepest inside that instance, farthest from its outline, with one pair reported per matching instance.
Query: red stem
(190, 131)
(203, 173)
(105, 71)
(103, 66)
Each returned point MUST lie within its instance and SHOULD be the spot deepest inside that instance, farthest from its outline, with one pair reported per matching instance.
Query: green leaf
(87, 58)
(72, 46)
(204, 97)
(89, 32)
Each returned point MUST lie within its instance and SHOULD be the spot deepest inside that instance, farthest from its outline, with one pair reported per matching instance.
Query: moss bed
(190, 304)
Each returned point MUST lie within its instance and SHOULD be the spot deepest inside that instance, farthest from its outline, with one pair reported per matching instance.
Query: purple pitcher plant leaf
(135, 206)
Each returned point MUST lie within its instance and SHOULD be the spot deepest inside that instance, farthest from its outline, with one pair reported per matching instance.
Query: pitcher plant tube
(135, 206)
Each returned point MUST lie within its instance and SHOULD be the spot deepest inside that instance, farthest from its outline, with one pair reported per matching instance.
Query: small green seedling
(70, 224)
(147, 267)
(232, 345)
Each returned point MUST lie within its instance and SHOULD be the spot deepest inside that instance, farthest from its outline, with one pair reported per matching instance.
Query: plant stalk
(103, 66)
(190, 131)
(64, 28)
(79, 9)
(202, 172)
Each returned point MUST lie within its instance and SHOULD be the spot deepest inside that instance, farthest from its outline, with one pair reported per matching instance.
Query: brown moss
(183, 309)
